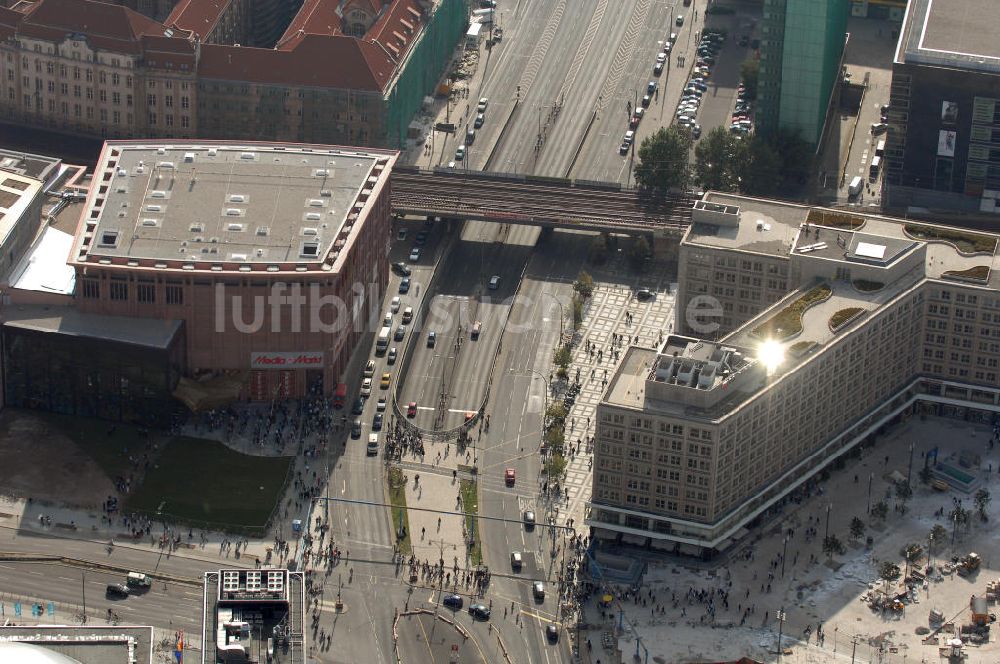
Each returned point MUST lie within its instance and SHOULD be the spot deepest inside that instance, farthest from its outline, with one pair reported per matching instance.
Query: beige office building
(700, 437)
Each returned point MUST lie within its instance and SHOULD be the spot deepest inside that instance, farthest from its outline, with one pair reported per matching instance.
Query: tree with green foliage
(638, 251)
(880, 510)
(599, 249)
(903, 494)
(584, 284)
(663, 159)
(577, 305)
(555, 466)
(857, 528)
(562, 357)
(937, 535)
(760, 167)
(982, 500)
(555, 439)
(556, 413)
(889, 572)
(797, 157)
(716, 159)
(926, 474)
(832, 545)
(749, 71)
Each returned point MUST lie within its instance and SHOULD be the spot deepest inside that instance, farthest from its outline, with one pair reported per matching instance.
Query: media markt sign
(306, 360)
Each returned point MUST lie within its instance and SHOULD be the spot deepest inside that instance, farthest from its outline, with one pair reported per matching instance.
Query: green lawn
(204, 483)
(108, 443)
(470, 503)
(397, 498)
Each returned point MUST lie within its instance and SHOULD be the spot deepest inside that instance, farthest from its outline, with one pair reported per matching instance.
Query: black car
(117, 591)
(356, 429)
(401, 269)
(480, 612)
(377, 422)
(453, 601)
(643, 294)
(359, 406)
(391, 357)
(404, 286)
(552, 633)
(421, 237)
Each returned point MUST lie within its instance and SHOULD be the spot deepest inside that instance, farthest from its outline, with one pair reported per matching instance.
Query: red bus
(340, 396)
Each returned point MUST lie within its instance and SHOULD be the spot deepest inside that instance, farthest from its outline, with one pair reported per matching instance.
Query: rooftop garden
(843, 317)
(800, 348)
(969, 243)
(866, 286)
(788, 321)
(847, 222)
(975, 273)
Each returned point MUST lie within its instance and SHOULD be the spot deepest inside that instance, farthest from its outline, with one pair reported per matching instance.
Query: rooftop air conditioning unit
(233, 212)
(150, 222)
(235, 227)
(313, 216)
(237, 198)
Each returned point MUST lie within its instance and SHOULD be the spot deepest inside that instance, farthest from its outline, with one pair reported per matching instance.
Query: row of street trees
(754, 165)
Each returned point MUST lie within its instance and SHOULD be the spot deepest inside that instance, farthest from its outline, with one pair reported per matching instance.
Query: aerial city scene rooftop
(499, 331)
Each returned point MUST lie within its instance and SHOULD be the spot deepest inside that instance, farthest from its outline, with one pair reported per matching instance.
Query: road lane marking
(538, 616)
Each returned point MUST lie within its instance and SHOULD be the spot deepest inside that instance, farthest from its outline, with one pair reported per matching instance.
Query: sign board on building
(303, 360)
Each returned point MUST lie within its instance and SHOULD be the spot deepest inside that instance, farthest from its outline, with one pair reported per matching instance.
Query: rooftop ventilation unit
(313, 216)
(326, 193)
(237, 198)
(161, 151)
(166, 164)
(234, 212)
(108, 239)
(239, 258)
(150, 223)
(121, 190)
(122, 172)
(196, 228)
(158, 193)
(263, 231)
(309, 231)
(309, 250)
(188, 157)
(212, 152)
(321, 172)
(248, 156)
(154, 208)
(316, 202)
(234, 227)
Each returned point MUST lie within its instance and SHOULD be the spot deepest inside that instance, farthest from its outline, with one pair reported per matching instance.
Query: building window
(91, 289)
(119, 291)
(175, 295)
(146, 293)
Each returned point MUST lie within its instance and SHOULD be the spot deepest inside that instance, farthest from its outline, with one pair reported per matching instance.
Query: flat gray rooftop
(262, 203)
(952, 33)
(88, 645)
(145, 332)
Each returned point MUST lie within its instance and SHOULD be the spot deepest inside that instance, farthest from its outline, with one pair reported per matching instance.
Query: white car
(370, 369)
(661, 58)
(483, 103)
(494, 282)
(366, 387)
(394, 304)
(460, 153)
(415, 254)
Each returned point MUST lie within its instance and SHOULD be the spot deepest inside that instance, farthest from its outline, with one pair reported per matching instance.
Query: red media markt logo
(288, 360)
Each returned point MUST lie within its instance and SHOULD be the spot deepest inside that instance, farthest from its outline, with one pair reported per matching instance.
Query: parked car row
(741, 121)
(470, 134)
(687, 109)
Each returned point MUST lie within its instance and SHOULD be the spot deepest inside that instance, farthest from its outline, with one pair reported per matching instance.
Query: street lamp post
(870, 477)
(784, 553)
(829, 506)
(781, 623)
(562, 315)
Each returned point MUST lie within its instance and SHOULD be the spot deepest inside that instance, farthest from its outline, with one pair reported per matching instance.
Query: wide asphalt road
(448, 380)
(580, 57)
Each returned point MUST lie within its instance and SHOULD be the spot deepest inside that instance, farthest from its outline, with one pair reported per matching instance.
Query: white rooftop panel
(869, 250)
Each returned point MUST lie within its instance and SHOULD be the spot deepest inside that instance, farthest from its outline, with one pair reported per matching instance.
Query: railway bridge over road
(538, 201)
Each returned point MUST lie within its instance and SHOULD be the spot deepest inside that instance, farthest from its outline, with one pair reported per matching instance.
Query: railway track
(563, 202)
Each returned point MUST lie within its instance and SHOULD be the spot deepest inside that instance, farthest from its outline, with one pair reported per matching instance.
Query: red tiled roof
(172, 53)
(198, 16)
(106, 26)
(331, 61)
(9, 20)
(316, 17)
(397, 28)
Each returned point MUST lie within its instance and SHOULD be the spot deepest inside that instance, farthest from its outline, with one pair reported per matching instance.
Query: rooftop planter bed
(848, 222)
(788, 322)
(969, 243)
(866, 286)
(843, 317)
(976, 273)
(800, 348)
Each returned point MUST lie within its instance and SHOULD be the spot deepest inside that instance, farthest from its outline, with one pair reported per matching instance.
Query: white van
(855, 187)
(407, 315)
(372, 449)
(383, 340)
(874, 168)
(880, 148)
(137, 580)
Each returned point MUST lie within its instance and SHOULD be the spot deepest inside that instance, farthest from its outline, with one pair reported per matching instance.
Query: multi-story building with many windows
(699, 437)
(802, 42)
(944, 111)
(351, 72)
